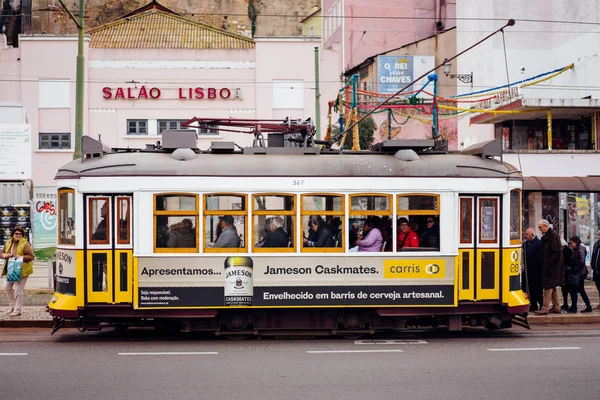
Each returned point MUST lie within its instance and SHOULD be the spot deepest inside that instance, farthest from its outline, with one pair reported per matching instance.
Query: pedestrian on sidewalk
(551, 257)
(533, 281)
(17, 246)
(578, 274)
(596, 265)
(566, 288)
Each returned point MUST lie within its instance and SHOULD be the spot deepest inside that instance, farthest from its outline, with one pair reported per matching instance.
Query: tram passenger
(100, 232)
(182, 234)
(353, 233)
(336, 230)
(266, 232)
(431, 235)
(371, 239)
(406, 237)
(228, 236)
(322, 235)
(278, 236)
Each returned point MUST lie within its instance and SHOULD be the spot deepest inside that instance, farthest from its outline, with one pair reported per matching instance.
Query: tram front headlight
(54, 299)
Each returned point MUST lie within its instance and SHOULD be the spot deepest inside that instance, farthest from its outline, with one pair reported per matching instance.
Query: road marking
(537, 349)
(13, 354)
(410, 341)
(352, 351)
(170, 353)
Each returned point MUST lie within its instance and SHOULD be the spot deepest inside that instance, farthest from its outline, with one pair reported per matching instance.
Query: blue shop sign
(394, 73)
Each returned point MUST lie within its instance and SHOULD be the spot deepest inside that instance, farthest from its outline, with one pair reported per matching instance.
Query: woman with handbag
(19, 253)
(576, 278)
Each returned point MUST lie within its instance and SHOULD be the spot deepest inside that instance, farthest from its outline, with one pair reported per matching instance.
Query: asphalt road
(550, 362)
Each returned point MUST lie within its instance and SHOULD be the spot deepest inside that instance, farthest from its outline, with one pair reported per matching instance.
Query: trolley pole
(79, 79)
(317, 96)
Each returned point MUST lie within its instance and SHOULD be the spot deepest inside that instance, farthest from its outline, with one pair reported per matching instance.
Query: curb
(33, 323)
(533, 320)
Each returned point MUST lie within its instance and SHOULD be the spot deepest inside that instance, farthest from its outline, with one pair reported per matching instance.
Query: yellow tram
(173, 236)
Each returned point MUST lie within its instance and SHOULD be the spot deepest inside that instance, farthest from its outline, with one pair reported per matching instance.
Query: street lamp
(465, 78)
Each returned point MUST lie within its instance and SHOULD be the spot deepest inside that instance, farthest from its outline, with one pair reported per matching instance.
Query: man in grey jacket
(228, 236)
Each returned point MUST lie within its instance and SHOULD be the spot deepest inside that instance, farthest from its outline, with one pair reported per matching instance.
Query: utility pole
(79, 79)
(317, 95)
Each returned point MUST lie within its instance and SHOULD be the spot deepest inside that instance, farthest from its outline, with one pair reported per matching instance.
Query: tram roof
(137, 164)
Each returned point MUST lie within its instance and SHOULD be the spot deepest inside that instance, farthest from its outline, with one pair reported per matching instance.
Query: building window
(567, 134)
(170, 124)
(208, 130)
(288, 94)
(137, 126)
(55, 141)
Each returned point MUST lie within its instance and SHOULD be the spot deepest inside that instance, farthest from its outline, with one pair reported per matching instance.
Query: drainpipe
(439, 25)
(317, 95)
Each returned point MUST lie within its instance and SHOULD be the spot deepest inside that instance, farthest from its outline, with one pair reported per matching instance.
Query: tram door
(479, 249)
(109, 252)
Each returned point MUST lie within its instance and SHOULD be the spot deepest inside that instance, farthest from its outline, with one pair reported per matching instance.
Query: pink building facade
(137, 84)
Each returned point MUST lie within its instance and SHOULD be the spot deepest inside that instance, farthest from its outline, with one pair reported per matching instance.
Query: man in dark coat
(533, 281)
(596, 265)
(278, 236)
(551, 257)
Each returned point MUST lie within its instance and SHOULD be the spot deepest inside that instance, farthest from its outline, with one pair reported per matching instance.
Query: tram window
(418, 223)
(66, 216)
(466, 220)
(323, 222)
(273, 225)
(99, 220)
(515, 217)
(376, 210)
(176, 222)
(225, 222)
(123, 220)
(488, 228)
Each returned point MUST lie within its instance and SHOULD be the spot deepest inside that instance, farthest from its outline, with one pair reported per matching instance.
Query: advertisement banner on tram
(293, 282)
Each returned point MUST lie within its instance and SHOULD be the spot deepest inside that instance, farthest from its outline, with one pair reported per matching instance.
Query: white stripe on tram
(170, 353)
(354, 351)
(13, 354)
(537, 349)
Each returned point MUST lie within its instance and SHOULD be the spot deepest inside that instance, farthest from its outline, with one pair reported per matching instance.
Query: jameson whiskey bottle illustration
(238, 281)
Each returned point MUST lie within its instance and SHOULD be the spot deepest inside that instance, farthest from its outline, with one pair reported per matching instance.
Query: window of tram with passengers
(225, 222)
(370, 223)
(273, 225)
(176, 223)
(322, 217)
(417, 226)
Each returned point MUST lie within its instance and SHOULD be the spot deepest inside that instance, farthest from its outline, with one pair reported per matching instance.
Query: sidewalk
(38, 293)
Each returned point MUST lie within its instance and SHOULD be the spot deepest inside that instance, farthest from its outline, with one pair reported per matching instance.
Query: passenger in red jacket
(406, 237)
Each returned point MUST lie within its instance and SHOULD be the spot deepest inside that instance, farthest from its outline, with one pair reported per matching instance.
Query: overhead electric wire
(511, 22)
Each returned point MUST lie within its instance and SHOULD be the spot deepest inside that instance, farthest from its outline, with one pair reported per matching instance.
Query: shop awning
(531, 109)
(562, 183)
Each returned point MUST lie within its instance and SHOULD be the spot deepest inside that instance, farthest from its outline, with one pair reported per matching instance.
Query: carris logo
(432, 269)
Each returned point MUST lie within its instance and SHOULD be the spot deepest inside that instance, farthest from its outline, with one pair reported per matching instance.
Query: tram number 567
(298, 182)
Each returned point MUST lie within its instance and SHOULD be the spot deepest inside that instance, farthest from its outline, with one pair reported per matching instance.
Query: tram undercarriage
(296, 322)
